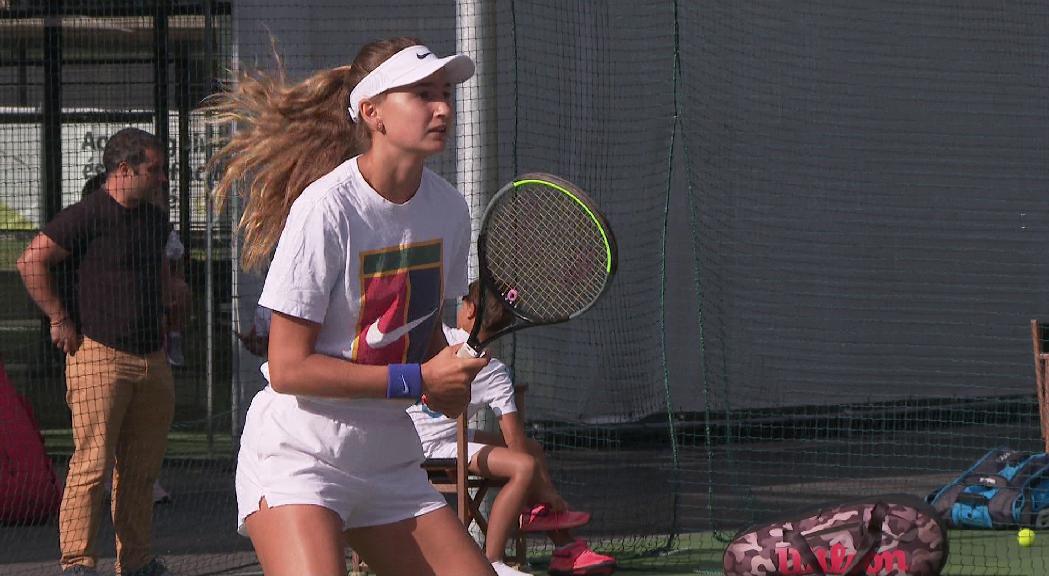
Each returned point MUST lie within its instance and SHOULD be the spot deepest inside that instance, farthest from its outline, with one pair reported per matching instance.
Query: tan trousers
(122, 407)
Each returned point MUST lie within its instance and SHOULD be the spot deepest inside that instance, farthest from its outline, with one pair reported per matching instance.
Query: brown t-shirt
(120, 253)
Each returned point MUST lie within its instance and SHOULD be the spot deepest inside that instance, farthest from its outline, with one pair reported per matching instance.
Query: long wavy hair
(284, 137)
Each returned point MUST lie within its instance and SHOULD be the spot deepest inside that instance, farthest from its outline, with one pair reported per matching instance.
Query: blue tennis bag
(1004, 489)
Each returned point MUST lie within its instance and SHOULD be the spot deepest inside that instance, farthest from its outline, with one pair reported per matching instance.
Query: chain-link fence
(830, 219)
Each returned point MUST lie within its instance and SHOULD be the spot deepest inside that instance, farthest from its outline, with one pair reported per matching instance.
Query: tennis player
(371, 242)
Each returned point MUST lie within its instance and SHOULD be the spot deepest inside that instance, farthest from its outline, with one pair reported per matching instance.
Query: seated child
(510, 456)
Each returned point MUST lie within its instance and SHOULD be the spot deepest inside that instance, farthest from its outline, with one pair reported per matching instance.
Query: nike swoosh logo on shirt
(421, 56)
(376, 338)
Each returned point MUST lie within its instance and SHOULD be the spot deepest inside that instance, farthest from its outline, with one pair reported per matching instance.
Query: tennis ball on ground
(1025, 537)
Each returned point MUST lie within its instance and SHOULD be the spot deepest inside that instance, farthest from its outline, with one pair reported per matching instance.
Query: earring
(380, 127)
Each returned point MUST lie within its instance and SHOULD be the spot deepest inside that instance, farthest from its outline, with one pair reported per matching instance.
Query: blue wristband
(404, 381)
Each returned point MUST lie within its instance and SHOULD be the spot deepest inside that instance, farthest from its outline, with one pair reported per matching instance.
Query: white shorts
(363, 464)
(444, 449)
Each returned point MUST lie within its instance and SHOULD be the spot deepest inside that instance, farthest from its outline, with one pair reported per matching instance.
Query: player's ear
(370, 115)
(469, 309)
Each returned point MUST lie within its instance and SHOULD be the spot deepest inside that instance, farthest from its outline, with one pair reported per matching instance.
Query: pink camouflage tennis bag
(892, 535)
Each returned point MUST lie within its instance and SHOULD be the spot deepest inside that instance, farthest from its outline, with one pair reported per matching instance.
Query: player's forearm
(327, 376)
(38, 283)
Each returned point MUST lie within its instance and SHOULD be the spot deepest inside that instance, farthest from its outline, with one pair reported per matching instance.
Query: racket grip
(465, 351)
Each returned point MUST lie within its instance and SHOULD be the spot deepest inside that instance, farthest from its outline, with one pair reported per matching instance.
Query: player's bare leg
(434, 544)
(297, 539)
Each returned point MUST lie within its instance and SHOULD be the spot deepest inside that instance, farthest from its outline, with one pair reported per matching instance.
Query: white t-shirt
(371, 272)
(492, 387)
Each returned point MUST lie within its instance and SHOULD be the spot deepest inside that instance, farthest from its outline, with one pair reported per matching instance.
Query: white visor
(408, 67)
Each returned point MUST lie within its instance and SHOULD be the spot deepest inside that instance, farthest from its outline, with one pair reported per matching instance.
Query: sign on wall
(82, 146)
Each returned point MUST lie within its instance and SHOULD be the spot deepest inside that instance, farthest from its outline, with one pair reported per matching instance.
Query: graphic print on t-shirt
(401, 292)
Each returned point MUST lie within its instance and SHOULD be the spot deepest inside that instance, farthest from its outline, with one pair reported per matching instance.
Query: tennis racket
(546, 250)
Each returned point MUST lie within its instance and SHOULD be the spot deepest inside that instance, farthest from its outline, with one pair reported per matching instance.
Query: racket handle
(465, 351)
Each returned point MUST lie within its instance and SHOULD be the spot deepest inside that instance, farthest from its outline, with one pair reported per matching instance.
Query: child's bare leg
(519, 470)
(542, 489)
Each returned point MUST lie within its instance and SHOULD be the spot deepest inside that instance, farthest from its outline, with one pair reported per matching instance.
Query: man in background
(120, 388)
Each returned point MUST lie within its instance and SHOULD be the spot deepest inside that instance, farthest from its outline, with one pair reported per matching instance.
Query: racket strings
(545, 253)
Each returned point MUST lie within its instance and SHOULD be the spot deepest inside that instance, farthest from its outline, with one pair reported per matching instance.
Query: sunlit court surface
(831, 227)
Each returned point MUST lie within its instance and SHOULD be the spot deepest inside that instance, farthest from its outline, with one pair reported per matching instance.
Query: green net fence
(831, 222)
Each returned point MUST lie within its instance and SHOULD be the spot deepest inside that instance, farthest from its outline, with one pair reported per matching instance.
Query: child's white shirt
(492, 387)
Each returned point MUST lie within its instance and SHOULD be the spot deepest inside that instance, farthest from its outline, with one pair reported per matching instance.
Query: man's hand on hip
(65, 336)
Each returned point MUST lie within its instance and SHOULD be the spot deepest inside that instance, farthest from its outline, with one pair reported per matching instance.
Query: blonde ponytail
(283, 138)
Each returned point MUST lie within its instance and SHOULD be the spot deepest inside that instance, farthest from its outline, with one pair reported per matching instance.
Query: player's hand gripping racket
(545, 250)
